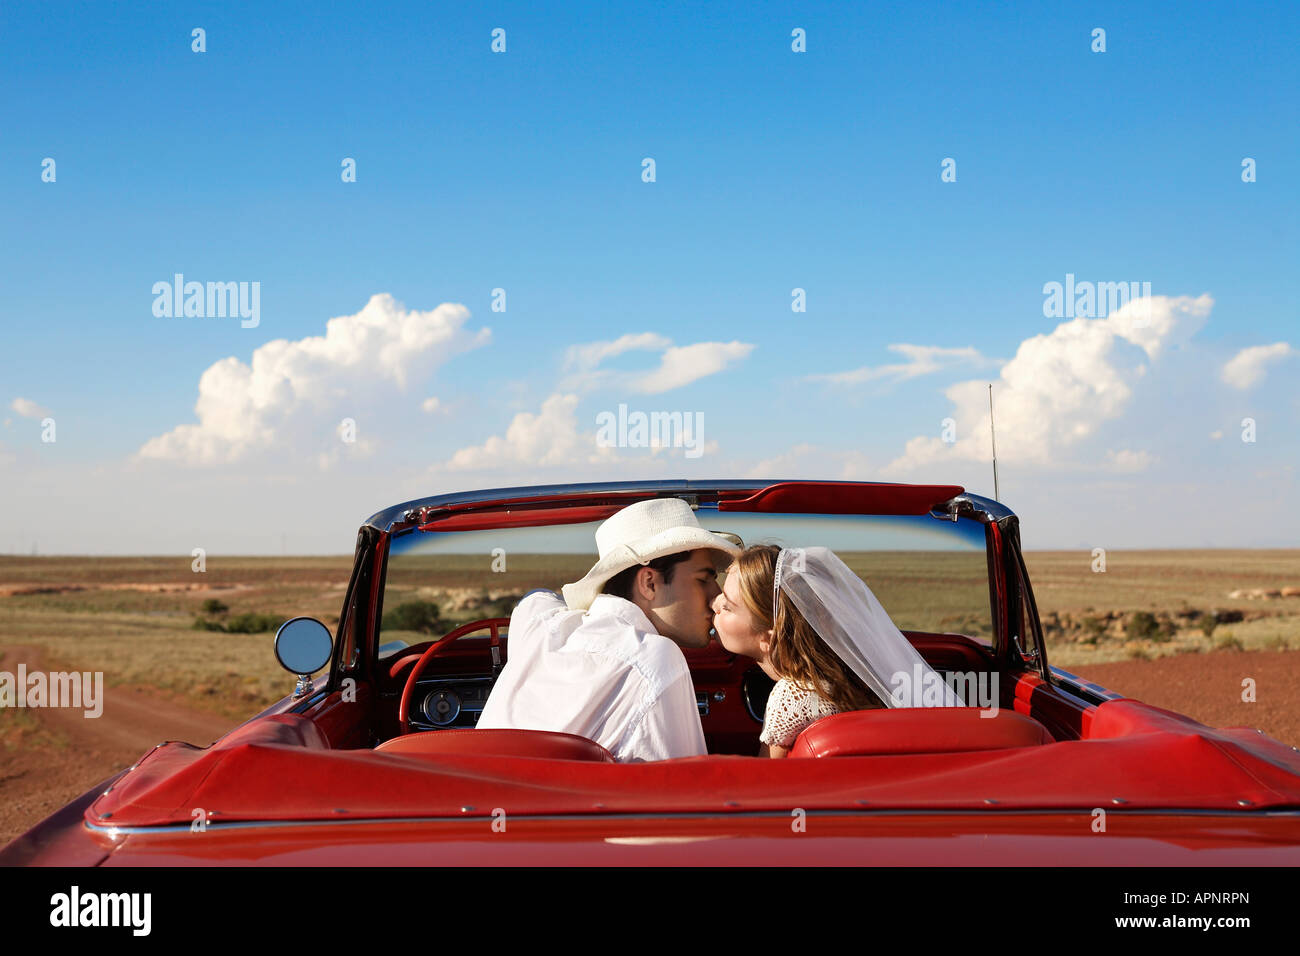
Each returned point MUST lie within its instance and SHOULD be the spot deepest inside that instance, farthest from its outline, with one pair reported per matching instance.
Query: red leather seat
(498, 743)
(917, 730)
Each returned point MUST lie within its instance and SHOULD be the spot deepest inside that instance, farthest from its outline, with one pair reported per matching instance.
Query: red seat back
(498, 743)
(917, 730)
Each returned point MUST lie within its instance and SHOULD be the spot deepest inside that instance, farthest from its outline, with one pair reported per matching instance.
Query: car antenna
(994, 439)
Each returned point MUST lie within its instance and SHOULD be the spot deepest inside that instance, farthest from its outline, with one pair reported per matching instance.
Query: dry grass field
(132, 618)
(1089, 616)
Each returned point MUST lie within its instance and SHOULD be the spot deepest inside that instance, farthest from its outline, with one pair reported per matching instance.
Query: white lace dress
(789, 711)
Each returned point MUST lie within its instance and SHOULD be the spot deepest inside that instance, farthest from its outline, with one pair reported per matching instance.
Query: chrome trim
(974, 506)
(1083, 688)
(721, 814)
(300, 705)
(1030, 658)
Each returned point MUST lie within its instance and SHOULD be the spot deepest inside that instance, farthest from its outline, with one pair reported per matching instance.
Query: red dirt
(1208, 688)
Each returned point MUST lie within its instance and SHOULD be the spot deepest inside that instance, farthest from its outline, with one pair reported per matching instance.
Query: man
(606, 662)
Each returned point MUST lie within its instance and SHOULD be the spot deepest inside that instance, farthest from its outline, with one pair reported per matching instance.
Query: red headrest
(917, 730)
(498, 743)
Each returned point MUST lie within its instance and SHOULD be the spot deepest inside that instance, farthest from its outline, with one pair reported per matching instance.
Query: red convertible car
(378, 760)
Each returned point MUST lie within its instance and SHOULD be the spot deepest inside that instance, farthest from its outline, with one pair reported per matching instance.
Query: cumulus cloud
(921, 360)
(678, 365)
(1060, 388)
(29, 409)
(430, 405)
(1246, 368)
(295, 392)
(550, 437)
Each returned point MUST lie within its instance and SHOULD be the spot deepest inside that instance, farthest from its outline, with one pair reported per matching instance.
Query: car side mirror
(303, 646)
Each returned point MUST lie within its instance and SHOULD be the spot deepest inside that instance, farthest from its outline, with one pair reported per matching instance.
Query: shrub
(251, 623)
(1138, 654)
(1093, 628)
(414, 616)
(1227, 642)
(213, 606)
(1208, 623)
(1165, 631)
(1143, 624)
(246, 623)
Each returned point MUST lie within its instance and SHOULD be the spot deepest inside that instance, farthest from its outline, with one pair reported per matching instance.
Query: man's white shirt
(603, 674)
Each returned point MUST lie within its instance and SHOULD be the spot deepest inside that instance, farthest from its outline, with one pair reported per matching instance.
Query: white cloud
(589, 356)
(1246, 368)
(430, 405)
(1059, 388)
(921, 360)
(551, 438)
(681, 365)
(292, 395)
(1127, 461)
(678, 365)
(28, 409)
(548, 438)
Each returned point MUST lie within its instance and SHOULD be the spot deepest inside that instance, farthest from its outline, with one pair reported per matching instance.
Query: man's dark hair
(620, 585)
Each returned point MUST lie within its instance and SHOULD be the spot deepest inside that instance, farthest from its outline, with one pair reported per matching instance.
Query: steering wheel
(408, 692)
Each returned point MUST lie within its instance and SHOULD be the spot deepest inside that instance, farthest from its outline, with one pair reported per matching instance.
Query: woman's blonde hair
(798, 653)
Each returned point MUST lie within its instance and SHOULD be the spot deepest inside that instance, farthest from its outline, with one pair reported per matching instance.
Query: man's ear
(644, 582)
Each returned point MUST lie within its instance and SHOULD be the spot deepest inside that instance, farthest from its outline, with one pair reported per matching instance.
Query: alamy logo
(214, 300)
(102, 909)
(651, 430)
(1093, 300)
(83, 690)
(925, 688)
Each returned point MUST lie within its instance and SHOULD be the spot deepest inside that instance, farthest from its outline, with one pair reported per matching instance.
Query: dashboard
(457, 700)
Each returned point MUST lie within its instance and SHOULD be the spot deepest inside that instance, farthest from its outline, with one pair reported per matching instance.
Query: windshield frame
(534, 510)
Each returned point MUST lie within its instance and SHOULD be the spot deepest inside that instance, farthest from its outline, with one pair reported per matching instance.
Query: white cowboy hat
(638, 534)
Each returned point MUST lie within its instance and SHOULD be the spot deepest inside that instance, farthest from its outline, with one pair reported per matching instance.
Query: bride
(816, 629)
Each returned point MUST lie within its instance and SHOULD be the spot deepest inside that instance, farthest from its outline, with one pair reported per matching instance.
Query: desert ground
(187, 655)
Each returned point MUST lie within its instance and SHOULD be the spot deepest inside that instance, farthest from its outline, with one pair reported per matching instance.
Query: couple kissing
(605, 660)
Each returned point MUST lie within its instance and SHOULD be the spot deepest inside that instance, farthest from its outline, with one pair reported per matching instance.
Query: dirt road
(69, 753)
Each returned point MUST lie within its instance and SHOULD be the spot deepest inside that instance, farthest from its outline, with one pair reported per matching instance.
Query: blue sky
(522, 170)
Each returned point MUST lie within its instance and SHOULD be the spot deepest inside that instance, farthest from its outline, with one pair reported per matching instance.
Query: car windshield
(930, 574)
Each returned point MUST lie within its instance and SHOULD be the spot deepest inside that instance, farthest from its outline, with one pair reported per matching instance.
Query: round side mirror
(303, 645)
